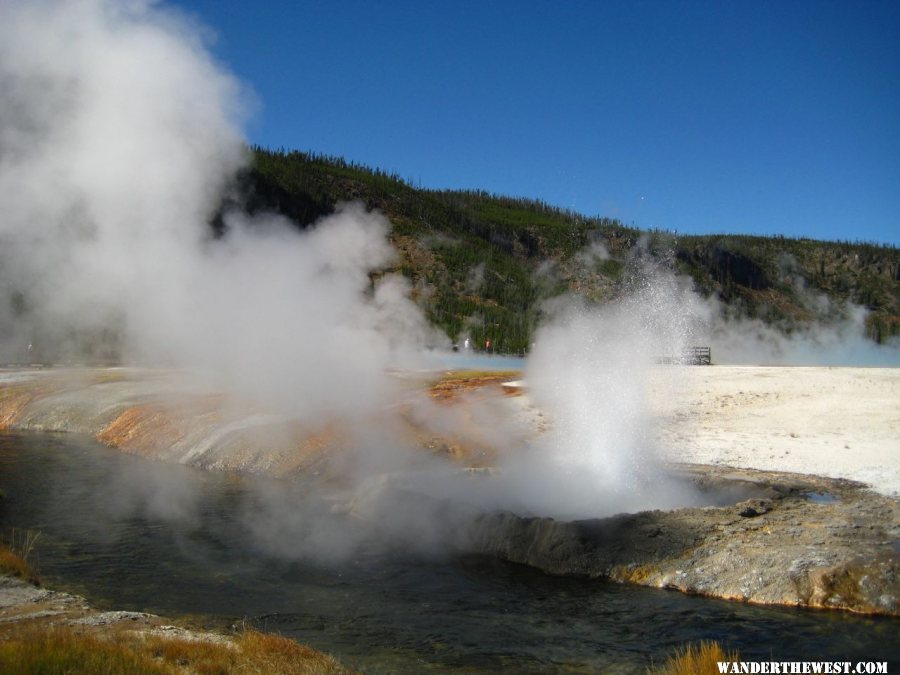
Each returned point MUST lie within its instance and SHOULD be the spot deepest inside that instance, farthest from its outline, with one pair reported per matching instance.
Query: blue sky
(752, 117)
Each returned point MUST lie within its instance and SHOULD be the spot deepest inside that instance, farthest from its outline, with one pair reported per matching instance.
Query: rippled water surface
(133, 534)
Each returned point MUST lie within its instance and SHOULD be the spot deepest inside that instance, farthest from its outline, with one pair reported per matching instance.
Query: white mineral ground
(826, 421)
(834, 422)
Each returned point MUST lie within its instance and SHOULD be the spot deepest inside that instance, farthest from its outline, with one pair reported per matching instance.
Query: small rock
(651, 531)
(106, 618)
(754, 507)
(888, 602)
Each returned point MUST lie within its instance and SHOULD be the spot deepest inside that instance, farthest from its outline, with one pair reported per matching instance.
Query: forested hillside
(482, 265)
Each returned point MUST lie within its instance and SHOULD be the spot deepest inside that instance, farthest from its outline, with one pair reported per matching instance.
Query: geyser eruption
(590, 371)
(118, 137)
(588, 377)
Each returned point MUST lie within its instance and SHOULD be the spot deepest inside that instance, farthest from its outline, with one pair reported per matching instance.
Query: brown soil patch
(309, 449)
(146, 429)
(453, 384)
(14, 398)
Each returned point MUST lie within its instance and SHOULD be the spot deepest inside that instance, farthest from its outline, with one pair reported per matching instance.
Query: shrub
(16, 554)
(699, 659)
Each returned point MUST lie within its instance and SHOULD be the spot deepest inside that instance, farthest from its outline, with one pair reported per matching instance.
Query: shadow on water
(133, 534)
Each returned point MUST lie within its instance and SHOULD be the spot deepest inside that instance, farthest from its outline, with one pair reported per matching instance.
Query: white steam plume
(589, 371)
(819, 343)
(839, 340)
(833, 335)
(118, 135)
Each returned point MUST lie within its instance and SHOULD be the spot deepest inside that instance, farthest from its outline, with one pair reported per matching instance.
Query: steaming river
(376, 612)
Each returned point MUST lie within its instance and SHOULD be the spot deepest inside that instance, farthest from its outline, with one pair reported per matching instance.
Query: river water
(133, 534)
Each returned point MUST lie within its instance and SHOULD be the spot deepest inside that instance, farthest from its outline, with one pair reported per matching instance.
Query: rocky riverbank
(50, 631)
(801, 540)
(776, 538)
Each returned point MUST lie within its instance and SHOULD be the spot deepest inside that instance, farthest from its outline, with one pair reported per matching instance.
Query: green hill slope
(482, 265)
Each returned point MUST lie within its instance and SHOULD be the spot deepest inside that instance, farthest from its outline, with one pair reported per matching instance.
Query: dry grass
(38, 650)
(699, 659)
(265, 653)
(251, 652)
(56, 649)
(31, 647)
(15, 556)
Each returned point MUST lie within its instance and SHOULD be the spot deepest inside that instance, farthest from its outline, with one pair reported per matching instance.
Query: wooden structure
(697, 356)
(691, 356)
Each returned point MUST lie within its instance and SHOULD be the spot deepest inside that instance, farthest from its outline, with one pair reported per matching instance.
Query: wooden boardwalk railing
(692, 356)
(697, 356)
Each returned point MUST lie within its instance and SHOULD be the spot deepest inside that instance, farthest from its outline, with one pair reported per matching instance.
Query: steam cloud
(118, 137)
(839, 340)
(589, 370)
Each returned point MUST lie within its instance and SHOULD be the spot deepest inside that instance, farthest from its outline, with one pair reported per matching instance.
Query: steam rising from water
(589, 370)
(118, 136)
(843, 342)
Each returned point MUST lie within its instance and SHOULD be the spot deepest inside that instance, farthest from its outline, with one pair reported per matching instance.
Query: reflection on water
(134, 534)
